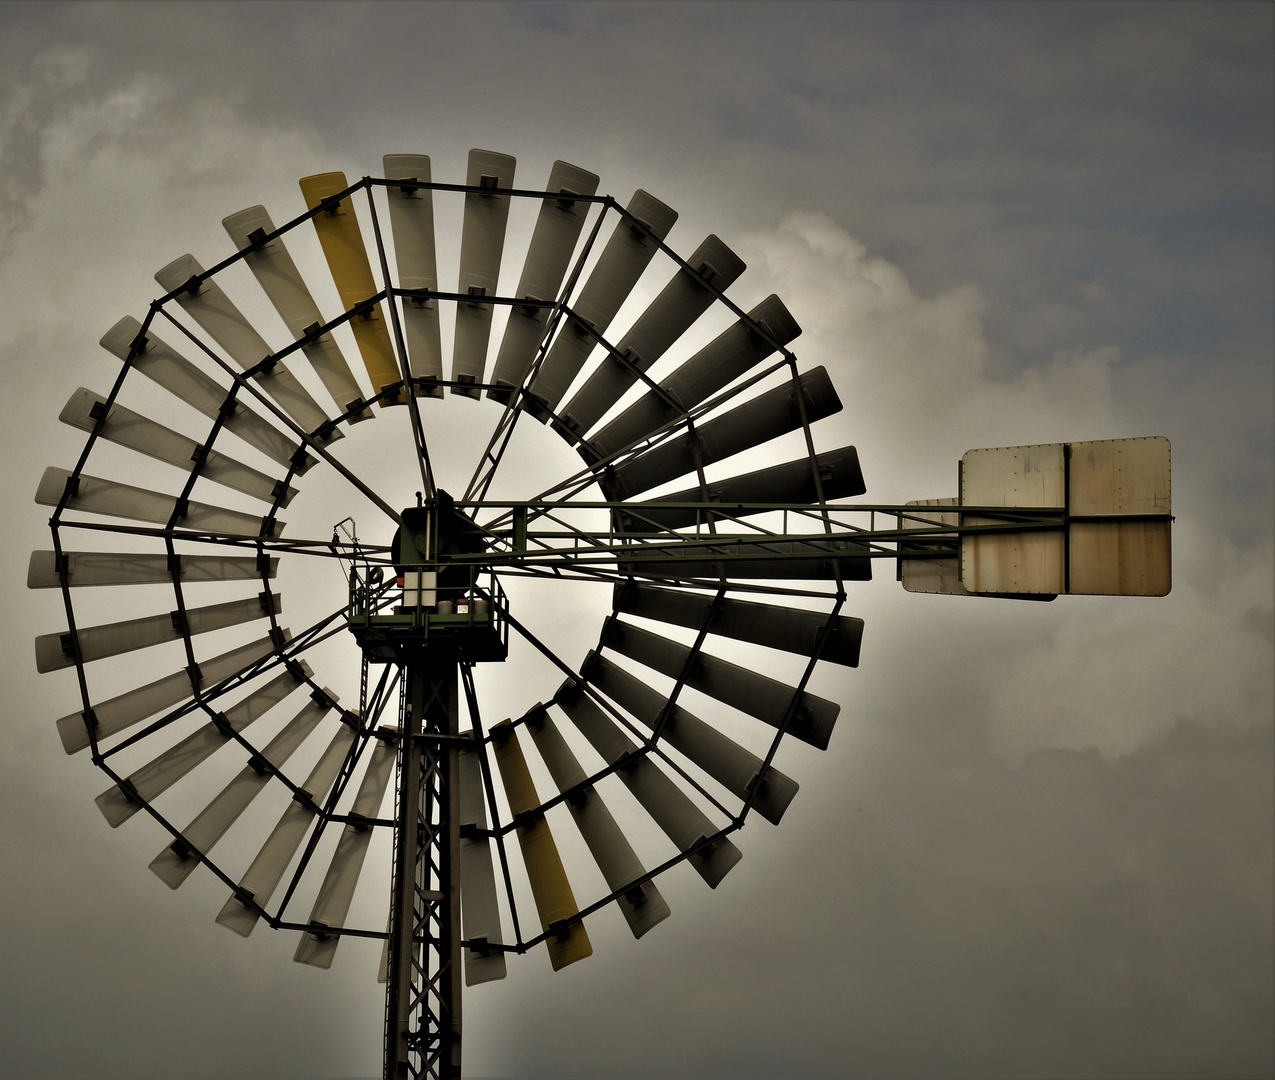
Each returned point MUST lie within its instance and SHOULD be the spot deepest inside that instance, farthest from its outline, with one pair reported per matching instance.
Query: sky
(1040, 843)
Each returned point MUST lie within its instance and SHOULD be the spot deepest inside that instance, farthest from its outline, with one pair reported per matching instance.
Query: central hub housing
(444, 597)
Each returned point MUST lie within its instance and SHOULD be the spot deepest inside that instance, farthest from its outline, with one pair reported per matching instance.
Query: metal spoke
(326, 549)
(404, 363)
(580, 683)
(485, 471)
(489, 790)
(242, 380)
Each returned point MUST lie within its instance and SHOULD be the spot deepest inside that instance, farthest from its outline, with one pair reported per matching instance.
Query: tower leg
(423, 986)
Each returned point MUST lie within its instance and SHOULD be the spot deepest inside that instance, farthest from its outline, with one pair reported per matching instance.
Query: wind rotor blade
(554, 240)
(55, 651)
(792, 482)
(127, 428)
(201, 392)
(784, 559)
(731, 354)
(333, 902)
(118, 804)
(627, 253)
(481, 243)
(118, 713)
(342, 243)
(262, 877)
(383, 968)
(550, 888)
(110, 498)
(89, 568)
(683, 300)
(642, 905)
(682, 821)
(174, 864)
(756, 421)
(756, 695)
(277, 274)
(213, 310)
(793, 630)
(412, 223)
(480, 910)
(735, 768)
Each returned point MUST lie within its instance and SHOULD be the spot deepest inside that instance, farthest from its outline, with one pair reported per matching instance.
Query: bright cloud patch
(913, 371)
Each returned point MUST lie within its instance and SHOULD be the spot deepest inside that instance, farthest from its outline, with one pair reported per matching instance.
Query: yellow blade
(342, 243)
(549, 885)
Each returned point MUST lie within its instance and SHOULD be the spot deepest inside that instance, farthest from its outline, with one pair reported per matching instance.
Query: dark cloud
(1073, 917)
(1040, 843)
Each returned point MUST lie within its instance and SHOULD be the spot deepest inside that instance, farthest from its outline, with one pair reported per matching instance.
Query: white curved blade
(212, 309)
(157, 776)
(127, 428)
(262, 877)
(89, 568)
(177, 375)
(333, 902)
(722, 758)
(642, 905)
(55, 651)
(412, 223)
(795, 630)
(628, 252)
(94, 495)
(342, 241)
(682, 821)
(683, 300)
(279, 278)
(481, 244)
(748, 691)
(756, 421)
(480, 911)
(791, 482)
(554, 240)
(728, 356)
(550, 888)
(118, 713)
(174, 864)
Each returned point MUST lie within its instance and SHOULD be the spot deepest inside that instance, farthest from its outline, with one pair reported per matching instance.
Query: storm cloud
(1040, 843)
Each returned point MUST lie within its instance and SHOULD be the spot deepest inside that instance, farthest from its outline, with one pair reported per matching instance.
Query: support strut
(423, 984)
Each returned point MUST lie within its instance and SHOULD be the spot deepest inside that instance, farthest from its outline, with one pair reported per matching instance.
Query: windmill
(700, 553)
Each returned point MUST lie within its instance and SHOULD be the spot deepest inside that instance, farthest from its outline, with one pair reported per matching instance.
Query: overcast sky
(1040, 843)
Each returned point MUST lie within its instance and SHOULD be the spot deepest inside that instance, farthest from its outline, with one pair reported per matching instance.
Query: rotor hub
(444, 596)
